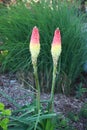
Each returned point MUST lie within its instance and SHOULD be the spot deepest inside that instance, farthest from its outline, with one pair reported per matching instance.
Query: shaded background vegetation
(16, 23)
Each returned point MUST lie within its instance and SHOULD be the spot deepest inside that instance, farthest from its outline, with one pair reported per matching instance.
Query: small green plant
(4, 116)
(72, 116)
(63, 123)
(80, 91)
(83, 111)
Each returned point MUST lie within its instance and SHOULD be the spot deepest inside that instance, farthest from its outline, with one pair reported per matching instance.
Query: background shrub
(16, 24)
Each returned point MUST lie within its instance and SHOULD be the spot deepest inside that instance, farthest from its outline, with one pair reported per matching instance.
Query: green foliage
(4, 117)
(74, 117)
(4, 123)
(83, 111)
(63, 123)
(80, 91)
(26, 118)
(16, 24)
(48, 124)
(15, 30)
(1, 106)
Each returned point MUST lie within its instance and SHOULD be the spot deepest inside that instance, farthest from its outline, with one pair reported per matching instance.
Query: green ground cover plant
(16, 23)
(4, 117)
(83, 111)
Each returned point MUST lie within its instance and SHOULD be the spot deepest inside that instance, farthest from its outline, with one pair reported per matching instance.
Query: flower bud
(56, 46)
(34, 45)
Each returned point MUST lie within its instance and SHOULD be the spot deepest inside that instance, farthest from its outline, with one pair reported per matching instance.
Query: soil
(11, 93)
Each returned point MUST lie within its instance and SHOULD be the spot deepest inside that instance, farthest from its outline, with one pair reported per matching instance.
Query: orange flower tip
(57, 37)
(35, 36)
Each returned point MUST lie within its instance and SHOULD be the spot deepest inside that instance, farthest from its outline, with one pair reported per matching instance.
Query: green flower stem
(37, 87)
(52, 89)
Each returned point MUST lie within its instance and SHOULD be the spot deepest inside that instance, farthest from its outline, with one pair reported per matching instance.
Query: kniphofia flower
(55, 51)
(56, 46)
(34, 45)
(34, 50)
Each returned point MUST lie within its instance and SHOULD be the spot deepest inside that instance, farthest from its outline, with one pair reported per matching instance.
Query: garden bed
(12, 94)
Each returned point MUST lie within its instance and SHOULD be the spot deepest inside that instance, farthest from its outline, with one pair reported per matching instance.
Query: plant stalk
(37, 87)
(52, 89)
